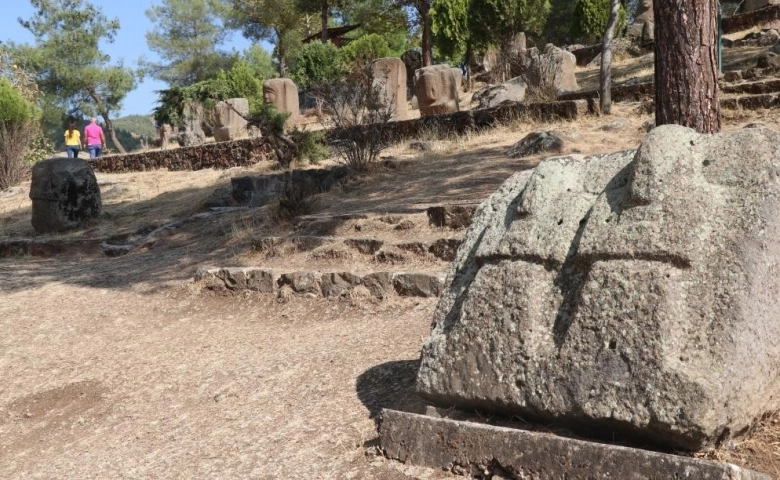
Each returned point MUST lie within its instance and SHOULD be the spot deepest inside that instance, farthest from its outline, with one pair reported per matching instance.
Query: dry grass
(131, 201)
(759, 450)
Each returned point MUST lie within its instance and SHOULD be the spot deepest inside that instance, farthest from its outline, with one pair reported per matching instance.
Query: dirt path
(118, 383)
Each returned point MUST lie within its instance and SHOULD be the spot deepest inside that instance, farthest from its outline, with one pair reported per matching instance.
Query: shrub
(359, 119)
(318, 63)
(16, 131)
(288, 148)
(359, 54)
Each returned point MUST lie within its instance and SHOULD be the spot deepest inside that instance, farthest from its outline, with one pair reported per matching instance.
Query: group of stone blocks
(318, 284)
(442, 248)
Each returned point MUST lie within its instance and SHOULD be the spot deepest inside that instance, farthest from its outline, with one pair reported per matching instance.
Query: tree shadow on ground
(454, 179)
(390, 385)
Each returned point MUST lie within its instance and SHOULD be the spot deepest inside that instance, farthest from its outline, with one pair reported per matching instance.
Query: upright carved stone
(64, 193)
(389, 77)
(191, 129)
(554, 61)
(631, 293)
(644, 12)
(230, 119)
(437, 90)
(283, 94)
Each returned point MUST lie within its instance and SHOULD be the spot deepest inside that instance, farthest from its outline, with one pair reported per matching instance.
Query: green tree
(450, 28)
(318, 63)
(321, 7)
(495, 22)
(274, 20)
(590, 19)
(359, 54)
(186, 36)
(422, 9)
(259, 61)
(383, 17)
(558, 27)
(16, 132)
(70, 65)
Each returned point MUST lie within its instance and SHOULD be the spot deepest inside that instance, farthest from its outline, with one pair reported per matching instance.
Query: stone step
(646, 90)
(318, 284)
(752, 88)
(487, 451)
(747, 102)
(441, 248)
(49, 247)
(751, 102)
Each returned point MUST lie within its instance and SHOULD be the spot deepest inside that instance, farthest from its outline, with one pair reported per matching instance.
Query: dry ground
(119, 367)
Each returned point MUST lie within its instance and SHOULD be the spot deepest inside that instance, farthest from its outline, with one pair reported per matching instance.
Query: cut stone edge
(461, 447)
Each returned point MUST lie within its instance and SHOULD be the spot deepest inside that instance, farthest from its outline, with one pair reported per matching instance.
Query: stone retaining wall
(745, 21)
(223, 155)
(220, 155)
(620, 93)
(318, 284)
(461, 122)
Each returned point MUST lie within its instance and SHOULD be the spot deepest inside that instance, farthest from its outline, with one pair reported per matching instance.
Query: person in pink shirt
(94, 140)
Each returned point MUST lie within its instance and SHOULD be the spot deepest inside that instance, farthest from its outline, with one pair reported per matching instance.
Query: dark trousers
(95, 150)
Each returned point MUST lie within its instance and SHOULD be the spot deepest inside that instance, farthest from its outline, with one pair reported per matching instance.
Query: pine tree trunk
(112, 133)
(324, 19)
(605, 87)
(426, 42)
(281, 51)
(101, 108)
(686, 64)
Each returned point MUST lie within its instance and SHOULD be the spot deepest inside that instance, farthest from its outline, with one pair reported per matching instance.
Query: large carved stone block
(283, 94)
(437, 90)
(191, 128)
(230, 119)
(555, 61)
(634, 293)
(389, 78)
(64, 193)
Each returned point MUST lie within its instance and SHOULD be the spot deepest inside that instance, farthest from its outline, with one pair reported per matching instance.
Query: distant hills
(134, 131)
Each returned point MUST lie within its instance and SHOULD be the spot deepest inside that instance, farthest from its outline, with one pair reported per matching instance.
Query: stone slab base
(485, 450)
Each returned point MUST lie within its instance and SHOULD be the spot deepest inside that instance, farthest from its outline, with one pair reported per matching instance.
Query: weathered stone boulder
(283, 94)
(389, 79)
(634, 293)
(535, 143)
(258, 190)
(230, 119)
(437, 90)
(64, 193)
(511, 91)
(412, 61)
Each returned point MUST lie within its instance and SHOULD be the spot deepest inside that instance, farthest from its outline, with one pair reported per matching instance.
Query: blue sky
(129, 45)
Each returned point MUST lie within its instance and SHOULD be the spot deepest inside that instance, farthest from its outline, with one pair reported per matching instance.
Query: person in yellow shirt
(72, 140)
